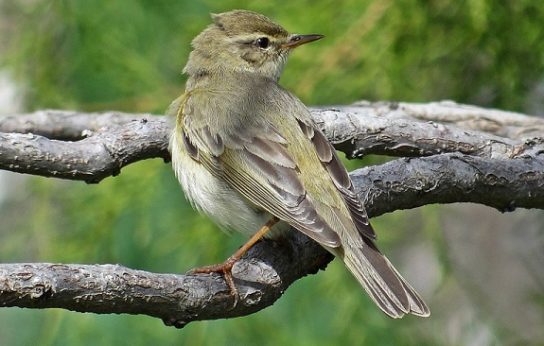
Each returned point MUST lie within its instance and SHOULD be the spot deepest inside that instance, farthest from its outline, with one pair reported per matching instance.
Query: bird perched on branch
(248, 154)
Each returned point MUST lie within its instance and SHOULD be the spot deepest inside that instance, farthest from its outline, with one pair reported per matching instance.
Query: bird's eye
(262, 42)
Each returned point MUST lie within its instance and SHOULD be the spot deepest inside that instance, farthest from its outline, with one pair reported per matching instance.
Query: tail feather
(417, 305)
(382, 282)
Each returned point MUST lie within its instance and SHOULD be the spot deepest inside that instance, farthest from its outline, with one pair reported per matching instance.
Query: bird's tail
(381, 280)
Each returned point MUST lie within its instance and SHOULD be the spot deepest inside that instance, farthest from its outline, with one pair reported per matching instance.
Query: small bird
(248, 154)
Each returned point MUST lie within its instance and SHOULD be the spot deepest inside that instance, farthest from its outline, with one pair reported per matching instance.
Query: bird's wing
(261, 169)
(300, 180)
(339, 176)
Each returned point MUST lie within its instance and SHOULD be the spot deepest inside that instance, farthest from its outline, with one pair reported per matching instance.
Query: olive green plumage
(245, 149)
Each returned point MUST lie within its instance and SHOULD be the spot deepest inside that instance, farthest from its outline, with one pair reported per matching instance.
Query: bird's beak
(297, 40)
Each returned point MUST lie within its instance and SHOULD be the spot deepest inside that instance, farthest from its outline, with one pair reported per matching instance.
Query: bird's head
(243, 41)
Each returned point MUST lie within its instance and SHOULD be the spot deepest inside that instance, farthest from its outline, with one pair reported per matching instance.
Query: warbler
(248, 154)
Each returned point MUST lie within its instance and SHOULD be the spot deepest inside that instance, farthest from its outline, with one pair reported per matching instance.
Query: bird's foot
(224, 268)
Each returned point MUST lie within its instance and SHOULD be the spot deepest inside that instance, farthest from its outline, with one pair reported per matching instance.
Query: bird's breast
(213, 196)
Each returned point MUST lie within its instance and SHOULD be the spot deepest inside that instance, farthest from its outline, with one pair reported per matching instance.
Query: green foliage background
(127, 55)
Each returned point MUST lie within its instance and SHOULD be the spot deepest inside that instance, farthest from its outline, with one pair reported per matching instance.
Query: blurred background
(480, 271)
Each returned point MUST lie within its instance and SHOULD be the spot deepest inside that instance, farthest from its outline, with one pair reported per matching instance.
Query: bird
(249, 155)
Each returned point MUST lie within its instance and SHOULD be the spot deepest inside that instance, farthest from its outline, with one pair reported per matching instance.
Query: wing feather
(327, 155)
(269, 179)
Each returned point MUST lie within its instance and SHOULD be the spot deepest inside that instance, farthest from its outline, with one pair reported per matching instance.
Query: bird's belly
(214, 197)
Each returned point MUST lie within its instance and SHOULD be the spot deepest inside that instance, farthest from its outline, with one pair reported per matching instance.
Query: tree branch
(261, 278)
(106, 142)
(450, 178)
(94, 157)
(459, 154)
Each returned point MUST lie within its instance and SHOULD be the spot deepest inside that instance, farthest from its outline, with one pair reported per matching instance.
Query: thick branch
(70, 125)
(450, 178)
(66, 125)
(386, 130)
(91, 159)
(106, 142)
(263, 275)
(501, 123)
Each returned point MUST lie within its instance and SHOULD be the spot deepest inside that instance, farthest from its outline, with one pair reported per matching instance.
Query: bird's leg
(226, 267)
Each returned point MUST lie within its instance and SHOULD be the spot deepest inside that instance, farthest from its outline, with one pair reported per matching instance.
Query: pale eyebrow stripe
(250, 38)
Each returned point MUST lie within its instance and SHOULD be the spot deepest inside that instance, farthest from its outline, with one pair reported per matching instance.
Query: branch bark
(456, 153)
(91, 156)
(93, 146)
(261, 278)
